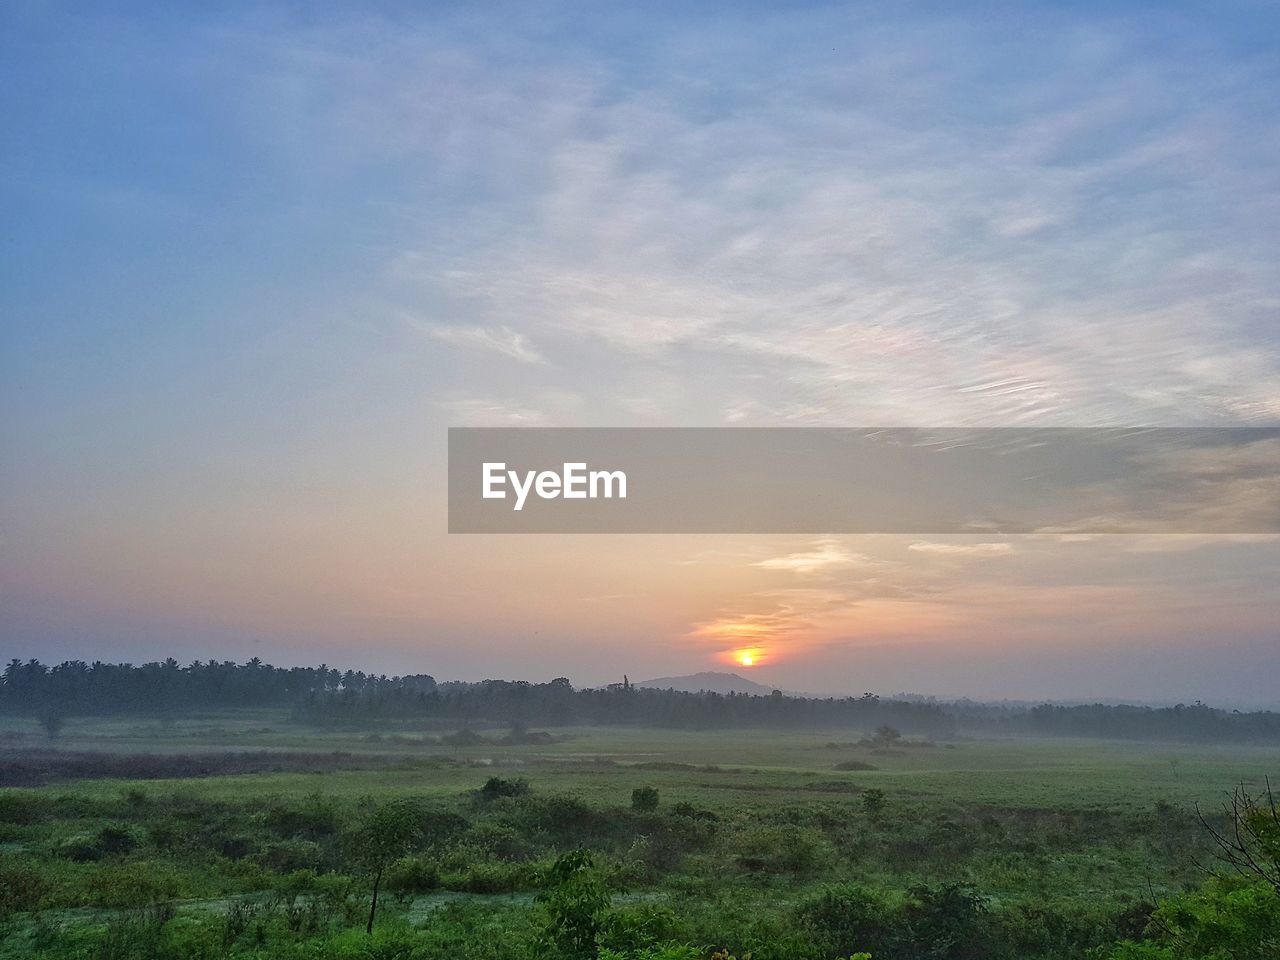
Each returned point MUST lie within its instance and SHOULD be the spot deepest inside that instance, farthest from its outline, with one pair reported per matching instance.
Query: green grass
(1087, 829)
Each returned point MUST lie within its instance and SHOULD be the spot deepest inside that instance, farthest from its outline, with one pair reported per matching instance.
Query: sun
(751, 656)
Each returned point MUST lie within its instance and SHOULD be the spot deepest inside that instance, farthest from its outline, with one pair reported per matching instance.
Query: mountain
(714, 682)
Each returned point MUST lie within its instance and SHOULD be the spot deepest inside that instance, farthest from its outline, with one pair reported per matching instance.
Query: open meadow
(249, 833)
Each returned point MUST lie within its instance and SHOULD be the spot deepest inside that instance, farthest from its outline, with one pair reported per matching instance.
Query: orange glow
(746, 656)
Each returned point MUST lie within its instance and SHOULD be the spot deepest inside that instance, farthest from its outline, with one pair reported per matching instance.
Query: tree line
(325, 695)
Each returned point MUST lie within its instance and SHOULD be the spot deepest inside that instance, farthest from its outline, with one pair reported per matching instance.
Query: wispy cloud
(502, 340)
(978, 550)
(825, 555)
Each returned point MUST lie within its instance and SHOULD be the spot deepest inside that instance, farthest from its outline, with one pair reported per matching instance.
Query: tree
(390, 831)
(1250, 844)
(575, 899)
(1236, 915)
(887, 734)
(644, 799)
(873, 802)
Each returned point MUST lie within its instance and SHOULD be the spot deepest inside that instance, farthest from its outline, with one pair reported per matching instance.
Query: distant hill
(709, 680)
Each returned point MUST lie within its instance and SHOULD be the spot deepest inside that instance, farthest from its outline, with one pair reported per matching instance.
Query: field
(249, 834)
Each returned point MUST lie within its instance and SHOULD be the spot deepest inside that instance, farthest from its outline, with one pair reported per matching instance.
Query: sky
(258, 257)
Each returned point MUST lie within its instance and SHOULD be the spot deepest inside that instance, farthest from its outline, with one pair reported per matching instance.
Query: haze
(256, 264)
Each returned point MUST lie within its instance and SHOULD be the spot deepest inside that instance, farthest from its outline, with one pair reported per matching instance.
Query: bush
(782, 849)
(849, 918)
(413, 875)
(20, 809)
(315, 819)
(686, 809)
(644, 799)
(1229, 918)
(490, 877)
(575, 899)
(290, 856)
(500, 840)
(496, 787)
(21, 887)
(641, 927)
(139, 884)
(949, 922)
(109, 841)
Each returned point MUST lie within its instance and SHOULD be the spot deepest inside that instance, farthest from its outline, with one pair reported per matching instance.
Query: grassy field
(1060, 845)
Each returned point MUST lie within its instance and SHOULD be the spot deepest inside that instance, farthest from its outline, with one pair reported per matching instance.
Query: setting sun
(745, 656)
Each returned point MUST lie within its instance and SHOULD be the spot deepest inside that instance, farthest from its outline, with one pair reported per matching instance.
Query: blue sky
(257, 258)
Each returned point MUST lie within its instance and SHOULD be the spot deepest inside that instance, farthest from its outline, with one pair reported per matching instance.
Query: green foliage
(1227, 920)
(575, 900)
(786, 848)
(848, 918)
(757, 853)
(21, 886)
(496, 787)
(644, 799)
(641, 927)
(111, 840)
(413, 875)
(388, 832)
(667, 951)
(942, 923)
(873, 802)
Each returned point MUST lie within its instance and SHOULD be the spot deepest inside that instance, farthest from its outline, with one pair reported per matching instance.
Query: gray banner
(849, 480)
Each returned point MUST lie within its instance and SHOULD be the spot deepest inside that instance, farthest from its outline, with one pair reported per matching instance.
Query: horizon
(1004, 699)
(261, 260)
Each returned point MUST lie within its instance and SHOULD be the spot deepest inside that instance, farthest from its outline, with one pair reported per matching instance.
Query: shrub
(500, 840)
(290, 856)
(665, 951)
(644, 799)
(138, 884)
(1228, 918)
(686, 809)
(110, 841)
(21, 887)
(315, 819)
(642, 927)
(949, 922)
(782, 849)
(490, 877)
(496, 787)
(849, 918)
(21, 809)
(575, 899)
(855, 765)
(413, 875)
(873, 802)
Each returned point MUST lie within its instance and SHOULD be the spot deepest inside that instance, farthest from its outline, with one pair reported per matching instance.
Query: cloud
(544, 410)
(824, 555)
(501, 340)
(887, 233)
(963, 549)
